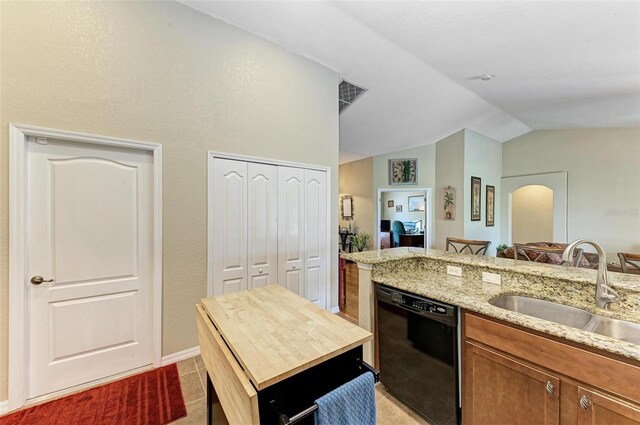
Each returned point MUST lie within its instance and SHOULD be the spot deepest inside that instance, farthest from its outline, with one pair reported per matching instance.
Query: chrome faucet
(605, 295)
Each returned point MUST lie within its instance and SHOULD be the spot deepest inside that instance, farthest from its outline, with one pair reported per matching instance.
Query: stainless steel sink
(547, 310)
(570, 316)
(618, 329)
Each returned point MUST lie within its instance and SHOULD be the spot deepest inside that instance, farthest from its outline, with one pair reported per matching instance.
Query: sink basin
(618, 329)
(570, 316)
(547, 310)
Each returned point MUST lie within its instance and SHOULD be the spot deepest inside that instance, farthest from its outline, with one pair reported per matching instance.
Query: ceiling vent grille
(347, 94)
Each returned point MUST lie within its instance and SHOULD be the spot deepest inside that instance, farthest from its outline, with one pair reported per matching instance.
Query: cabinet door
(315, 231)
(262, 230)
(291, 228)
(598, 409)
(230, 226)
(500, 390)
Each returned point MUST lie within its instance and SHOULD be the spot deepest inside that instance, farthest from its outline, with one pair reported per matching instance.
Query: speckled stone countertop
(424, 273)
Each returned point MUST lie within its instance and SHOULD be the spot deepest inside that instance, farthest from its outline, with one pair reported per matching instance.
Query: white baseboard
(335, 310)
(4, 407)
(180, 355)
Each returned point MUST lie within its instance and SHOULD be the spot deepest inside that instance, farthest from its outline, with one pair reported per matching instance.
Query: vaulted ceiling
(556, 64)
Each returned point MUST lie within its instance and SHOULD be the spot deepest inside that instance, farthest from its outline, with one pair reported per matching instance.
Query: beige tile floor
(193, 379)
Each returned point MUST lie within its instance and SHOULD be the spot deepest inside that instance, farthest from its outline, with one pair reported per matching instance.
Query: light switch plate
(454, 271)
(491, 278)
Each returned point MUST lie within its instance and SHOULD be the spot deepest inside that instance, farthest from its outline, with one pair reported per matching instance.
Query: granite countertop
(421, 272)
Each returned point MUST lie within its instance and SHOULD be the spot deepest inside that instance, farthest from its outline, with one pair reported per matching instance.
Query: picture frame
(390, 204)
(490, 205)
(416, 203)
(403, 172)
(449, 203)
(398, 208)
(346, 207)
(476, 198)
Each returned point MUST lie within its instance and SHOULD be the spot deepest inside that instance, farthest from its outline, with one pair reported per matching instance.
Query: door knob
(294, 266)
(37, 280)
(259, 270)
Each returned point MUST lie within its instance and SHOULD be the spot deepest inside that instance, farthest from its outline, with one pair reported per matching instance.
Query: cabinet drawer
(231, 384)
(595, 369)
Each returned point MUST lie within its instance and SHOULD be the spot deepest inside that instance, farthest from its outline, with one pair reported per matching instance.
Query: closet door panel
(230, 226)
(315, 253)
(262, 224)
(291, 237)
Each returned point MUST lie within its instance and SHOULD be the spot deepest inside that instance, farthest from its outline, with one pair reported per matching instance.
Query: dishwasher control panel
(418, 303)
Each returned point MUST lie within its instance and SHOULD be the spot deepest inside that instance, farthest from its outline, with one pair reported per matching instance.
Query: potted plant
(360, 240)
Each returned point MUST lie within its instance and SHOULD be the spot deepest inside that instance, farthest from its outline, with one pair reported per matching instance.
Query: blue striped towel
(353, 403)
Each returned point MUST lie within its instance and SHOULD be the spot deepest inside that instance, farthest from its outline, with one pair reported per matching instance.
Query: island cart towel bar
(286, 420)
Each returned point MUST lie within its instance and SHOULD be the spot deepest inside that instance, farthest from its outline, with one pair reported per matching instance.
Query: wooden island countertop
(274, 333)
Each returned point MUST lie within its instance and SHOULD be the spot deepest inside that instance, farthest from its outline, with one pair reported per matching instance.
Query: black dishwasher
(418, 353)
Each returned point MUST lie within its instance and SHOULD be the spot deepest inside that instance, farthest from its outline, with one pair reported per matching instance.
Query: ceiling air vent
(347, 94)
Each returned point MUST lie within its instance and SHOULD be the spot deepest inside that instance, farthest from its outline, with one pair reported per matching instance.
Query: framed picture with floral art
(403, 171)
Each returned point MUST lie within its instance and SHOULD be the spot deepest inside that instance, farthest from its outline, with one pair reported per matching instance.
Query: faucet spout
(605, 295)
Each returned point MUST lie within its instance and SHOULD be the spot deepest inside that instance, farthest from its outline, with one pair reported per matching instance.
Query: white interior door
(315, 231)
(90, 230)
(291, 183)
(262, 224)
(230, 226)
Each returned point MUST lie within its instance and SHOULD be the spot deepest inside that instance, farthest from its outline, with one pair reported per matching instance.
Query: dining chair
(397, 227)
(630, 263)
(545, 254)
(467, 246)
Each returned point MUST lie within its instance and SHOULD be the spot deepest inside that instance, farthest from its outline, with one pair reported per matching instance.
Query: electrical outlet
(454, 271)
(491, 278)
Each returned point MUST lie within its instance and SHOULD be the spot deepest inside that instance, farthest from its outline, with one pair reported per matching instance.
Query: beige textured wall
(532, 214)
(426, 156)
(449, 172)
(162, 72)
(356, 179)
(400, 198)
(603, 166)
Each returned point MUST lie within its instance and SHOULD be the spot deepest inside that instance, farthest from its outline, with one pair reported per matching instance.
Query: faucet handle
(611, 295)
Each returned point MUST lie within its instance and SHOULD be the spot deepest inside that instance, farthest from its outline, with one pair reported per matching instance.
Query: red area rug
(151, 398)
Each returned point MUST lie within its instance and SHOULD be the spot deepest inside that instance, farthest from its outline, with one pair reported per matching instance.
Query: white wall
(603, 166)
(482, 158)
(532, 214)
(400, 198)
(165, 73)
(449, 172)
(426, 174)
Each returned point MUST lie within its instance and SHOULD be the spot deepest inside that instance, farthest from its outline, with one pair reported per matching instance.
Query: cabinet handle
(550, 388)
(584, 402)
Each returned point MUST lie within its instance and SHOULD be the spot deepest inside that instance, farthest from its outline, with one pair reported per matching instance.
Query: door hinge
(42, 140)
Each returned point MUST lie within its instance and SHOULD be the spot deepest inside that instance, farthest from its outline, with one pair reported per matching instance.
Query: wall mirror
(347, 207)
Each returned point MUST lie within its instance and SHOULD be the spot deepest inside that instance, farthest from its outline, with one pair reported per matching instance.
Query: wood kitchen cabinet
(501, 390)
(515, 376)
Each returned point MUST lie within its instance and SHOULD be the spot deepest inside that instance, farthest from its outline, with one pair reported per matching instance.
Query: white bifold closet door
(230, 226)
(269, 227)
(315, 231)
(262, 219)
(291, 214)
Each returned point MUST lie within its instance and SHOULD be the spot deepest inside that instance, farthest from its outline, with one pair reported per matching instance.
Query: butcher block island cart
(270, 353)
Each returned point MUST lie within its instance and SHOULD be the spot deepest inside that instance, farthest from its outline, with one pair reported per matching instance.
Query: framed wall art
(476, 198)
(416, 203)
(449, 202)
(403, 171)
(491, 206)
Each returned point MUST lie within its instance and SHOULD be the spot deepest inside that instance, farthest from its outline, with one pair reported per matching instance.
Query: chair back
(630, 263)
(397, 227)
(467, 246)
(542, 254)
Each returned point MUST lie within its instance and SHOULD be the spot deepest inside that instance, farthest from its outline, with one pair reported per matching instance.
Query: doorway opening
(532, 214)
(403, 218)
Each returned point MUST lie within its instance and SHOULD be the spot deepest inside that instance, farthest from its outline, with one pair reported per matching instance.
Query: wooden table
(253, 341)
